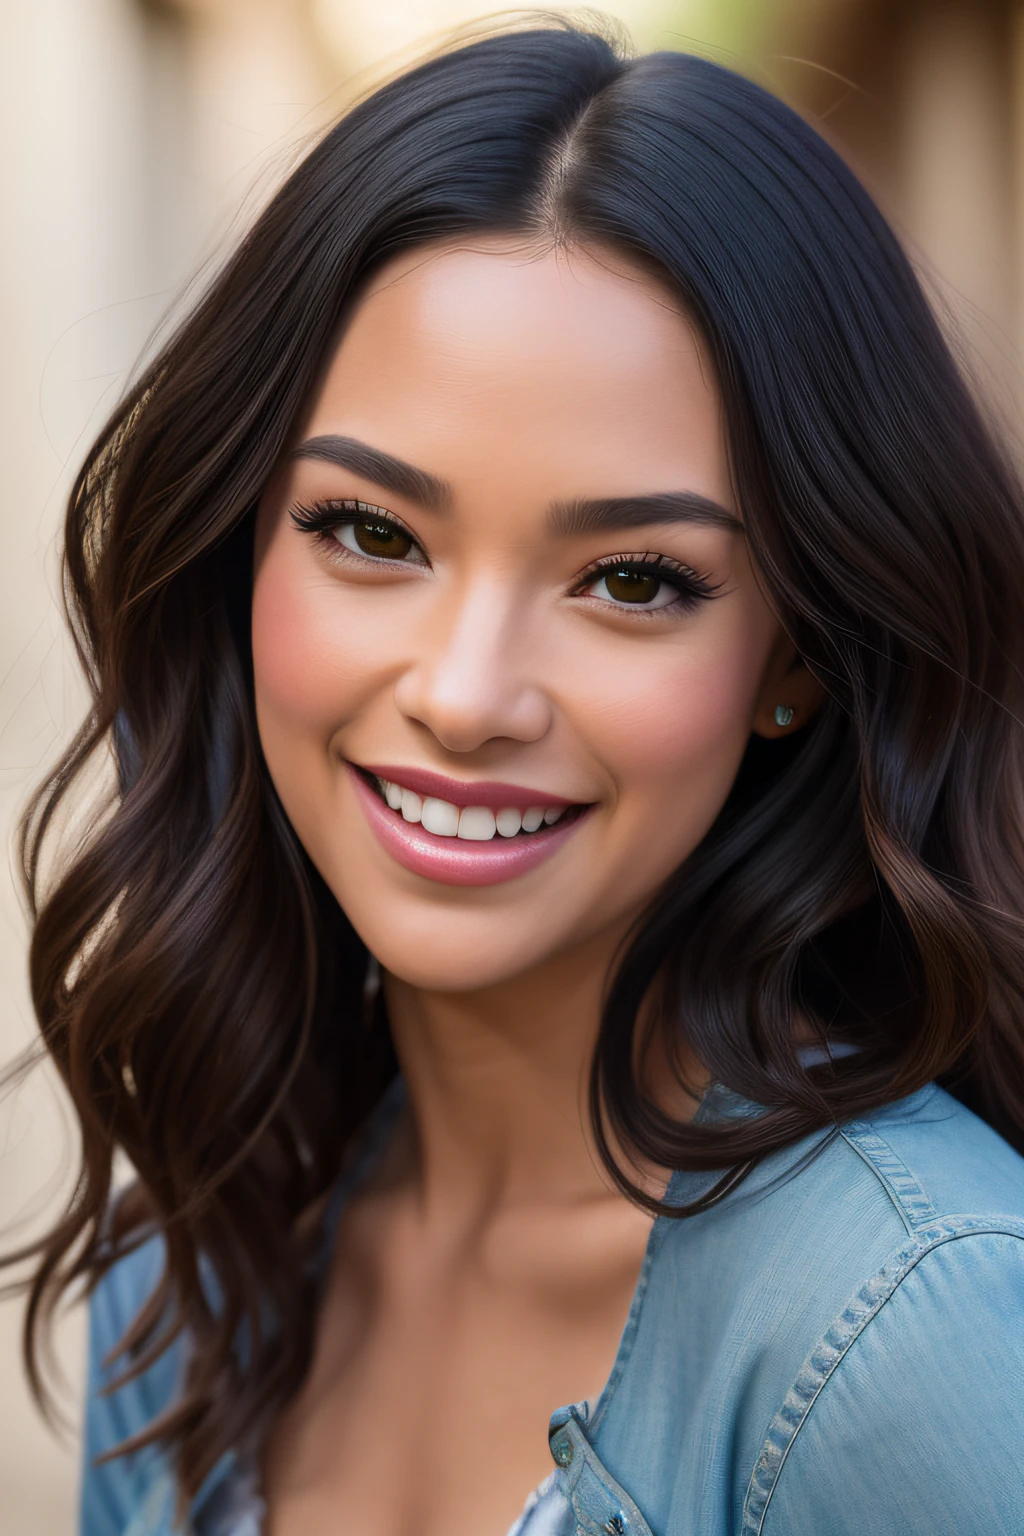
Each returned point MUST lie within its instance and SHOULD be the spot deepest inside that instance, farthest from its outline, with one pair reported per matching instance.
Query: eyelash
(322, 518)
(690, 588)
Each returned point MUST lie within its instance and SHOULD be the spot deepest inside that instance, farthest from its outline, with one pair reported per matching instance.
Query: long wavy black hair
(196, 984)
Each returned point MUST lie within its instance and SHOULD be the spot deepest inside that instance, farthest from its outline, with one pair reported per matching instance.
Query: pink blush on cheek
(287, 670)
(680, 719)
(673, 754)
(314, 655)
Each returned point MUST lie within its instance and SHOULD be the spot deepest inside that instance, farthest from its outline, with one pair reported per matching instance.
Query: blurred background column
(258, 82)
(956, 162)
(926, 99)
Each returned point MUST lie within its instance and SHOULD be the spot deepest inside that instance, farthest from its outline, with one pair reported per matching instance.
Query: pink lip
(451, 860)
(458, 792)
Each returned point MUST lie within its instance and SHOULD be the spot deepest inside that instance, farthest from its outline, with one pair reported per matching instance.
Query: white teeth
(477, 824)
(474, 824)
(440, 817)
(508, 822)
(392, 794)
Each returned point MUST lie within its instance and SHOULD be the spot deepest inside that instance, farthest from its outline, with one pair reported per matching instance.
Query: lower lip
(454, 860)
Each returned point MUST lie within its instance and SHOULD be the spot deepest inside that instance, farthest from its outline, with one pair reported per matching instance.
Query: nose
(473, 679)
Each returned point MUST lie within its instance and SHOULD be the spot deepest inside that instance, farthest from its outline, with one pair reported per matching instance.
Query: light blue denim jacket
(835, 1349)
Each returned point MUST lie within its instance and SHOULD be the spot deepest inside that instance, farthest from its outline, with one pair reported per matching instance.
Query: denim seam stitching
(629, 1332)
(908, 1196)
(842, 1332)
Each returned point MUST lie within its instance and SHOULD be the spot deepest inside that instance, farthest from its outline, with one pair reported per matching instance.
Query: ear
(789, 693)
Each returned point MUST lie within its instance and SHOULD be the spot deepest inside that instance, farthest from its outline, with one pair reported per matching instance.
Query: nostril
(464, 707)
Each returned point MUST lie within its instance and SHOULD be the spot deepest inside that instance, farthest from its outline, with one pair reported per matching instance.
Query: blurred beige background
(137, 136)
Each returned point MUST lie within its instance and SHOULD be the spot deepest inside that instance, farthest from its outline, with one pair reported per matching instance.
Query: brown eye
(368, 532)
(627, 586)
(378, 538)
(639, 584)
(384, 541)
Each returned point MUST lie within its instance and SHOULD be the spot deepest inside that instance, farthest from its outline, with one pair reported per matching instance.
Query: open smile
(461, 833)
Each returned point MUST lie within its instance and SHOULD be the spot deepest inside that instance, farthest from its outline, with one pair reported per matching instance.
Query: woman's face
(501, 580)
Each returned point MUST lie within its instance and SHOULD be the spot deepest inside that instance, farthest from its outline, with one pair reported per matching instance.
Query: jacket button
(562, 1450)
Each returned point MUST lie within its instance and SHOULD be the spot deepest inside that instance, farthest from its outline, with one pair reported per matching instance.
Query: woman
(556, 609)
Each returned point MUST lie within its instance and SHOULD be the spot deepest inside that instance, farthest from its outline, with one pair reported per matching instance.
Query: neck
(497, 1080)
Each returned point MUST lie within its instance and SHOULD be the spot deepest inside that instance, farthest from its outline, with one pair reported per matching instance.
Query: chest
(436, 1371)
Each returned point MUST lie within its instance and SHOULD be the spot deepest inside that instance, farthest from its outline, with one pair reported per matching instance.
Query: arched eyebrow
(569, 519)
(382, 468)
(566, 519)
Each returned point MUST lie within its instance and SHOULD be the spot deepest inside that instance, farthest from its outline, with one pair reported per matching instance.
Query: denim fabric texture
(834, 1349)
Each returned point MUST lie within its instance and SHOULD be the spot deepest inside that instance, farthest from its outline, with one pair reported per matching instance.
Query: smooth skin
(483, 1275)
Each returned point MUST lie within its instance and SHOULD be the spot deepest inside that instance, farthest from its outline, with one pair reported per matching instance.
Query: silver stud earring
(783, 714)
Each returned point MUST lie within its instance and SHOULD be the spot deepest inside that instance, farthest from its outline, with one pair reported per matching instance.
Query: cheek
(673, 731)
(312, 657)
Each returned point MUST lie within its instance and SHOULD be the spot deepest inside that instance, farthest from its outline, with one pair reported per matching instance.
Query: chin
(448, 967)
(450, 951)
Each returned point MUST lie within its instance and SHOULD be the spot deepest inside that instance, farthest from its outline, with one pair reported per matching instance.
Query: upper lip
(462, 792)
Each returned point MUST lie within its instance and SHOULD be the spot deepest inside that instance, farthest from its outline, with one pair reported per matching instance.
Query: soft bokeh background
(137, 136)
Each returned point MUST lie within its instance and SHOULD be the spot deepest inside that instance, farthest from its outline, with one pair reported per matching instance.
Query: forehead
(462, 352)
